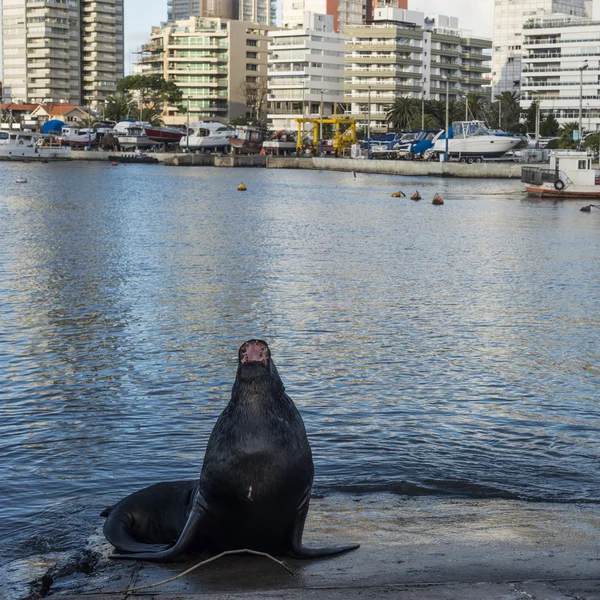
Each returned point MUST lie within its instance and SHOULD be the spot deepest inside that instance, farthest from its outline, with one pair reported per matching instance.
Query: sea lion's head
(254, 358)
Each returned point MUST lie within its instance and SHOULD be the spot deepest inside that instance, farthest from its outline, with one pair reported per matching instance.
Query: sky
(140, 15)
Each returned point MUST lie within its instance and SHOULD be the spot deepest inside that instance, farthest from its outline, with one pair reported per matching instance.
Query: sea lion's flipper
(188, 540)
(297, 550)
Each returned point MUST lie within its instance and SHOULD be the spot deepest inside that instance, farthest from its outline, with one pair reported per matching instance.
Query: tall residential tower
(257, 11)
(62, 51)
(509, 16)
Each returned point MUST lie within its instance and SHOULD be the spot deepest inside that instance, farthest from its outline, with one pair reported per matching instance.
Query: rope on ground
(188, 571)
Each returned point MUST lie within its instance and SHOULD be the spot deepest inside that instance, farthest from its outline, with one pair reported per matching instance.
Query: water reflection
(429, 351)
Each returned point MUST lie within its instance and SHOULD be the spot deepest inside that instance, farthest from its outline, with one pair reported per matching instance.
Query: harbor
(443, 358)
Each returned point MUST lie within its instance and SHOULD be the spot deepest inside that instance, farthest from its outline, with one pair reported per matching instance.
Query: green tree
(565, 136)
(592, 142)
(475, 107)
(154, 92)
(401, 112)
(549, 127)
(530, 116)
(430, 122)
(511, 110)
(119, 106)
(87, 121)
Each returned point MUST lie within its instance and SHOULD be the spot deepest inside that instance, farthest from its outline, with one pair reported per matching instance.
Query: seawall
(496, 170)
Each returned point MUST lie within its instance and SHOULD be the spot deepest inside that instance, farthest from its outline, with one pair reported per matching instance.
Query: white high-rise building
(555, 50)
(306, 71)
(62, 51)
(509, 16)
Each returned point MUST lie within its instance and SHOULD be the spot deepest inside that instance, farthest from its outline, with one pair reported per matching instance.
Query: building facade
(306, 71)
(404, 54)
(256, 11)
(554, 51)
(509, 16)
(345, 13)
(62, 51)
(219, 64)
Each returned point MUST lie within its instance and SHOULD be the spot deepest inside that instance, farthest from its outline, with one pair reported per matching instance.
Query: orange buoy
(416, 196)
(437, 200)
(241, 187)
(115, 164)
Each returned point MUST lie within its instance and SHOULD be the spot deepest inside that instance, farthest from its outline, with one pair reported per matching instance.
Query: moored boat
(77, 137)
(26, 145)
(281, 142)
(570, 174)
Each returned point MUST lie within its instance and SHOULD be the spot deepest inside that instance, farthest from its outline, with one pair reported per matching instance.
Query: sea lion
(254, 486)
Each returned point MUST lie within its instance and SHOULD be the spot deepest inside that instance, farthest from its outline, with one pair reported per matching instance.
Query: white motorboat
(132, 135)
(207, 136)
(472, 141)
(77, 137)
(570, 174)
(26, 145)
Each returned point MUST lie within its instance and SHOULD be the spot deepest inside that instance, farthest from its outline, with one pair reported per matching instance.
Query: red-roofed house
(68, 113)
(21, 114)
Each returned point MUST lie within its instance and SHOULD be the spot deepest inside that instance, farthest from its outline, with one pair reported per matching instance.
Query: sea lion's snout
(255, 351)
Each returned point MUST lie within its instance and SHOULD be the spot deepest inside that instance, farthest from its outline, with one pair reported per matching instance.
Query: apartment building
(345, 13)
(555, 51)
(306, 71)
(62, 51)
(509, 16)
(217, 63)
(404, 54)
(256, 11)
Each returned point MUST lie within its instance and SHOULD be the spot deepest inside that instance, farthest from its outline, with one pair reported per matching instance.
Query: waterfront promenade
(497, 170)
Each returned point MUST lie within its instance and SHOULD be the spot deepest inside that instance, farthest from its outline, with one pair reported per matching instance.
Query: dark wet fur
(254, 486)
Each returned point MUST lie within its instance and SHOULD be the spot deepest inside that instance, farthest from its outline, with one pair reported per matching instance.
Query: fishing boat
(472, 141)
(281, 142)
(77, 137)
(163, 134)
(26, 145)
(207, 136)
(570, 174)
(247, 140)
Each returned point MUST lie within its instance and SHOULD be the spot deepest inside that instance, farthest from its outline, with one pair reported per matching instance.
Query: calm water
(449, 350)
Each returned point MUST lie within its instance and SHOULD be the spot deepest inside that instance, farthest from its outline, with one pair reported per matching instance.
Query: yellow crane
(344, 137)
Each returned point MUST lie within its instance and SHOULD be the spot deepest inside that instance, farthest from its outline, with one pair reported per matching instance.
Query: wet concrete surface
(411, 548)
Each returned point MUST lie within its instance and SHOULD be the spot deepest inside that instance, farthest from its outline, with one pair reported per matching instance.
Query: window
(253, 43)
(582, 164)
(250, 67)
(251, 54)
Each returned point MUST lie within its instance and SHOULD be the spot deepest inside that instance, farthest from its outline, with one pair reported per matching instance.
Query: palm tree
(401, 112)
(511, 110)
(565, 136)
(475, 107)
(119, 106)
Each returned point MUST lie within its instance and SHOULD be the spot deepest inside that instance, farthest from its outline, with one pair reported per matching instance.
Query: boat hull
(571, 192)
(476, 148)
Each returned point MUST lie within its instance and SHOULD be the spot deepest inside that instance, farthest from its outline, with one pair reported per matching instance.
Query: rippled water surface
(449, 350)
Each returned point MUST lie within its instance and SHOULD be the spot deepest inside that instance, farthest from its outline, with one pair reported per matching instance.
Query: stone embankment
(492, 169)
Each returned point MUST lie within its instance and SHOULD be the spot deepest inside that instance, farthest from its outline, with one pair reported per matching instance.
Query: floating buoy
(241, 187)
(437, 200)
(399, 194)
(26, 161)
(45, 160)
(588, 208)
(21, 180)
(115, 164)
(416, 196)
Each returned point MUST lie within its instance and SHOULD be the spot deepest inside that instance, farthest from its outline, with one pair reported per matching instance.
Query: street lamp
(446, 157)
(369, 124)
(581, 70)
(321, 127)
(537, 118)
(423, 106)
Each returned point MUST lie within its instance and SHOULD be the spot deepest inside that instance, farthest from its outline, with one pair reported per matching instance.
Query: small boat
(281, 142)
(247, 140)
(27, 145)
(570, 174)
(472, 141)
(137, 158)
(78, 138)
(163, 134)
(207, 136)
